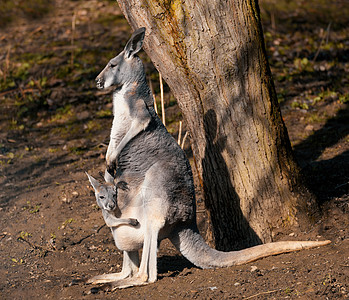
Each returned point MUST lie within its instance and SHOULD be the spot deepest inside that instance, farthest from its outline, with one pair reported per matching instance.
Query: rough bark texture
(212, 56)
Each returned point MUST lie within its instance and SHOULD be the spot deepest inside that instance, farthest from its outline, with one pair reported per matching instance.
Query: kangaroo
(125, 72)
(106, 196)
(161, 192)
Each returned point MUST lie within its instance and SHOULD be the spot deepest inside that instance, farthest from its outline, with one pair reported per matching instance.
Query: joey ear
(134, 45)
(94, 182)
(108, 177)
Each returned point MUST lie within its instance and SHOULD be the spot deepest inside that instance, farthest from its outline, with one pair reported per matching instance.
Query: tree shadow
(175, 264)
(330, 134)
(221, 198)
(326, 178)
(39, 171)
(37, 175)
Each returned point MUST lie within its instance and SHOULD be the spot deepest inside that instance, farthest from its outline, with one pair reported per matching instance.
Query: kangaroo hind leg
(148, 269)
(130, 267)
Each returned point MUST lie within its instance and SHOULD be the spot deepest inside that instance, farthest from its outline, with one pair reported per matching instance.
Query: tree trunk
(212, 56)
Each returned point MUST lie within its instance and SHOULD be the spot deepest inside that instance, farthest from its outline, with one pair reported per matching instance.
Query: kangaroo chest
(122, 118)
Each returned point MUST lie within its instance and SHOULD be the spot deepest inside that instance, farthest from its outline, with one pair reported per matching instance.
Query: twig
(154, 98)
(8, 92)
(343, 184)
(73, 23)
(162, 100)
(179, 133)
(36, 30)
(38, 85)
(263, 293)
(34, 246)
(102, 145)
(21, 90)
(87, 236)
(327, 34)
(272, 19)
(7, 63)
(185, 137)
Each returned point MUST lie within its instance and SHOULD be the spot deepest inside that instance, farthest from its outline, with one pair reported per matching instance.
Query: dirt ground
(54, 126)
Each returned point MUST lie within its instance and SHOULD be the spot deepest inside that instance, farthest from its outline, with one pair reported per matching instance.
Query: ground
(55, 125)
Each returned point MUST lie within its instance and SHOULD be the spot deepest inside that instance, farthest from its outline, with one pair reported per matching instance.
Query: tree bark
(212, 56)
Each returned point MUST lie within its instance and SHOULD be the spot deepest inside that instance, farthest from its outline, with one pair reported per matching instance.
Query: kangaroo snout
(99, 82)
(110, 206)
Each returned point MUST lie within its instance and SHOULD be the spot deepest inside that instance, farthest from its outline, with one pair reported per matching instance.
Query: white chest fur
(122, 119)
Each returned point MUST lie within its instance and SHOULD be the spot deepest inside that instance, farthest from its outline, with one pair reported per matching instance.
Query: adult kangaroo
(160, 191)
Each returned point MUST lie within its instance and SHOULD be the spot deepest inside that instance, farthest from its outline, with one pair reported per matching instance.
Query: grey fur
(161, 190)
(125, 72)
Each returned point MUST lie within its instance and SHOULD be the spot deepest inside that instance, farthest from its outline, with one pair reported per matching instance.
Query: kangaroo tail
(193, 247)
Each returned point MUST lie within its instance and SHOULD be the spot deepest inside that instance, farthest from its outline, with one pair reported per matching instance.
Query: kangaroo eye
(101, 197)
(112, 65)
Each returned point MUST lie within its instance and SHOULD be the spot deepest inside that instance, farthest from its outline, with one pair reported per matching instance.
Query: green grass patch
(104, 113)
(63, 114)
(298, 104)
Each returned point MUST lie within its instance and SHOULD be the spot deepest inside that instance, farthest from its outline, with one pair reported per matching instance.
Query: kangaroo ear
(94, 182)
(135, 43)
(108, 177)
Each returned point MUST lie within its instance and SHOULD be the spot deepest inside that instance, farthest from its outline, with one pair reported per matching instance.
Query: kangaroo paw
(134, 222)
(111, 167)
(122, 185)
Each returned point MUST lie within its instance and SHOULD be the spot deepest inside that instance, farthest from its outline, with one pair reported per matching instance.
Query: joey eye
(101, 197)
(112, 65)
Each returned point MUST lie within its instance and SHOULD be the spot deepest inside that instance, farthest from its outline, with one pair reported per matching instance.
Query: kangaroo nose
(110, 206)
(100, 83)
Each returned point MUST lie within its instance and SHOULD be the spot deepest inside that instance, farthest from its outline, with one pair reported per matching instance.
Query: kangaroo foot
(105, 278)
(128, 282)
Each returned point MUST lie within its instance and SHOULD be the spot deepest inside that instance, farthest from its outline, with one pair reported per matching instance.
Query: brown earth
(55, 125)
